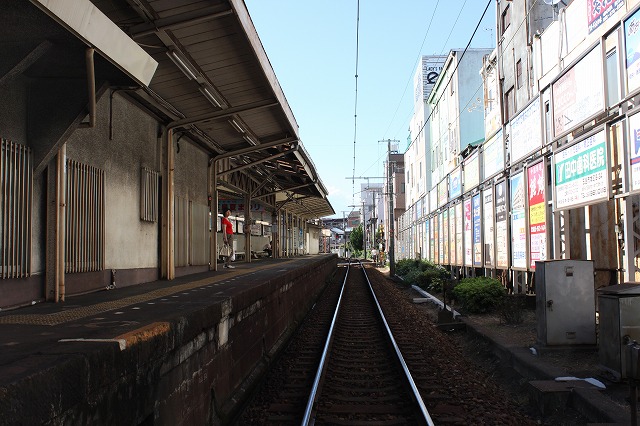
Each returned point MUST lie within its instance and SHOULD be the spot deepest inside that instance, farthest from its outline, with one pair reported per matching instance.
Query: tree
(356, 238)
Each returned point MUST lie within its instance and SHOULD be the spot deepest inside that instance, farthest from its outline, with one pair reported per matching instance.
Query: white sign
(471, 172)
(578, 94)
(518, 222)
(526, 132)
(487, 199)
(493, 155)
(634, 152)
(581, 173)
(459, 231)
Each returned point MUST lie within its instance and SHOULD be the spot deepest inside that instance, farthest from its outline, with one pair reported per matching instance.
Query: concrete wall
(129, 241)
(191, 368)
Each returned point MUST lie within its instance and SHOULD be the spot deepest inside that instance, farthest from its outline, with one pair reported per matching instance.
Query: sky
(315, 48)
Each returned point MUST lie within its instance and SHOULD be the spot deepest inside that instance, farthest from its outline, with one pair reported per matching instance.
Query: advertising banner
(581, 173)
(440, 240)
(598, 11)
(518, 222)
(537, 214)
(632, 44)
(432, 239)
(471, 172)
(427, 235)
(443, 192)
(455, 183)
(572, 104)
(493, 156)
(477, 231)
(526, 132)
(433, 199)
(459, 232)
(487, 207)
(436, 239)
(502, 245)
(445, 236)
(634, 151)
(468, 233)
(452, 235)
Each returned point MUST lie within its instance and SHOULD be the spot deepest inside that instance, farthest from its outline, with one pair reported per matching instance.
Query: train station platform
(165, 352)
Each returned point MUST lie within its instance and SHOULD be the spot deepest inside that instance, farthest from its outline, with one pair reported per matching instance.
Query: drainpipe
(60, 223)
(91, 88)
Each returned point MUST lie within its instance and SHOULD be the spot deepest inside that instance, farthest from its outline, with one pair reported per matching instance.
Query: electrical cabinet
(619, 308)
(565, 303)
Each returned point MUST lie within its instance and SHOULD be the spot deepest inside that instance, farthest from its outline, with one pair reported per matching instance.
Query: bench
(260, 254)
(239, 255)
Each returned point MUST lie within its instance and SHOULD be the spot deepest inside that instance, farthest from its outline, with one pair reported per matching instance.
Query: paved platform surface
(29, 336)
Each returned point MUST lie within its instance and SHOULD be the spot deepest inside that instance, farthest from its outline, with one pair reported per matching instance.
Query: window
(612, 78)
(506, 19)
(509, 105)
(519, 82)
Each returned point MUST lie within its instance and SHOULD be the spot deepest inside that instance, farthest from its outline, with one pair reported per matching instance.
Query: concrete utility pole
(391, 249)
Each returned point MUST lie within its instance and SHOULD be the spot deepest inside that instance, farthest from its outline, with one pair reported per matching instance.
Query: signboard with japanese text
(443, 192)
(518, 222)
(477, 231)
(502, 240)
(468, 233)
(432, 239)
(581, 173)
(493, 156)
(598, 11)
(526, 132)
(445, 236)
(238, 206)
(471, 172)
(433, 199)
(436, 239)
(537, 213)
(632, 45)
(572, 104)
(428, 238)
(452, 235)
(440, 240)
(487, 207)
(459, 233)
(634, 152)
(455, 183)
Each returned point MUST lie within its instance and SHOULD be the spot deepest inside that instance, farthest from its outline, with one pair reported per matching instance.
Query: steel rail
(412, 383)
(316, 383)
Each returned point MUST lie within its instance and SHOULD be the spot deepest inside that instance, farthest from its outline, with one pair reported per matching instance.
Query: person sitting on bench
(267, 248)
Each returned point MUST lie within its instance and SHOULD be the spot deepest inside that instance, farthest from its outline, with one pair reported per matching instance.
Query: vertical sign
(634, 151)
(427, 243)
(455, 183)
(432, 247)
(518, 222)
(436, 238)
(632, 44)
(487, 200)
(440, 240)
(477, 231)
(459, 231)
(445, 236)
(452, 236)
(468, 233)
(502, 245)
(537, 214)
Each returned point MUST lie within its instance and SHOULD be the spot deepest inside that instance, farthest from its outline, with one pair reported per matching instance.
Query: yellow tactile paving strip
(86, 311)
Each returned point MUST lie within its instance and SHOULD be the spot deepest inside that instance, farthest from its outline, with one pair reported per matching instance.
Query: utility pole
(391, 248)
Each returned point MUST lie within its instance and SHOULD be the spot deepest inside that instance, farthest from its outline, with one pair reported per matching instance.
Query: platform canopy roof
(215, 85)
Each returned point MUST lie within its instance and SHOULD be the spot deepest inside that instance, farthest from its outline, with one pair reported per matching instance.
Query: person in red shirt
(227, 237)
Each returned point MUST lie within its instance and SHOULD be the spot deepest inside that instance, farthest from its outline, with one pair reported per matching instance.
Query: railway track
(362, 376)
(362, 381)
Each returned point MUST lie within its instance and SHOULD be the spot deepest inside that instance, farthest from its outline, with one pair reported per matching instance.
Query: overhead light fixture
(236, 126)
(250, 140)
(211, 97)
(182, 64)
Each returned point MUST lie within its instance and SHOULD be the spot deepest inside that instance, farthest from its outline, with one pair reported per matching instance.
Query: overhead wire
(355, 108)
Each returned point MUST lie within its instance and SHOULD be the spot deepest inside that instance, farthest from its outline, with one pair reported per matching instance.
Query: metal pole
(392, 266)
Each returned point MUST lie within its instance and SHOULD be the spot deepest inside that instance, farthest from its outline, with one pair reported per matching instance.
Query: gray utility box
(619, 307)
(565, 303)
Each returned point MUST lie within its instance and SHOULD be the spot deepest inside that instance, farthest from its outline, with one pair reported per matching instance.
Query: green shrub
(432, 278)
(479, 295)
(404, 266)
